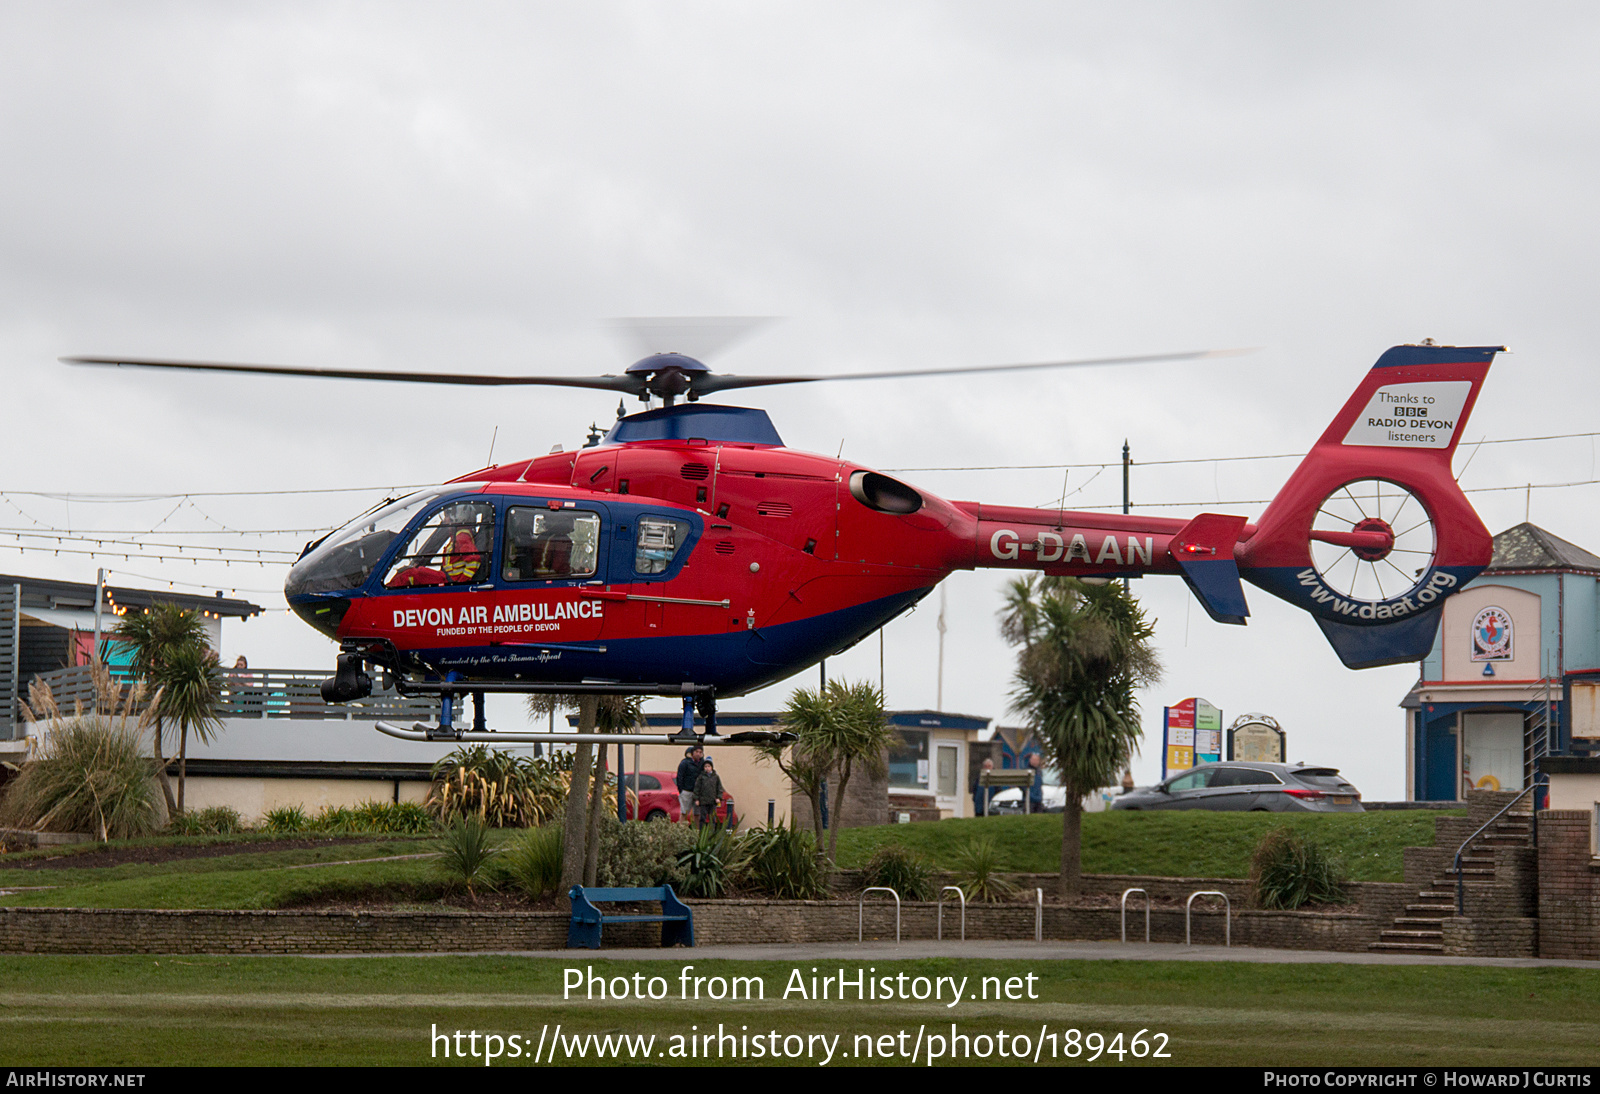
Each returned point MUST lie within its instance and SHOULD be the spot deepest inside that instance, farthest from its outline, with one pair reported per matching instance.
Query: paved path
(1021, 951)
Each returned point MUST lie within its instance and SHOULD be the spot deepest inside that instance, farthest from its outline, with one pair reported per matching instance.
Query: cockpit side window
(657, 544)
(454, 547)
(346, 559)
(550, 544)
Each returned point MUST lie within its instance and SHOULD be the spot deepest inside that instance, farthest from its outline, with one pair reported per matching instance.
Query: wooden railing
(262, 693)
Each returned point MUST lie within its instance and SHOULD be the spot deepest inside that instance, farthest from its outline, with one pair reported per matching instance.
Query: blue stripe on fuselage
(734, 663)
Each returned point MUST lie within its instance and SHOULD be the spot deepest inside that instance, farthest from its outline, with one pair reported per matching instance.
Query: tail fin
(1371, 532)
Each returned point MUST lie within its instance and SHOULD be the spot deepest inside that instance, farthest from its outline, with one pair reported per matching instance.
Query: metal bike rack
(963, 896)
(1125, 894)
(861, 906)
(1227, 918)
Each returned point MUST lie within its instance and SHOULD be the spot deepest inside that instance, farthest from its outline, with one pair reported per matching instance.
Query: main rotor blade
(629, 384)
(705, 385)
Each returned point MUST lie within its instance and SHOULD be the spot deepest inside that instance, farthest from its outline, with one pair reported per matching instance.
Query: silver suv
(1235, 786)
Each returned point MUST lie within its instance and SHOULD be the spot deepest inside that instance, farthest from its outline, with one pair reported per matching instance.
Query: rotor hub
(1374, 553)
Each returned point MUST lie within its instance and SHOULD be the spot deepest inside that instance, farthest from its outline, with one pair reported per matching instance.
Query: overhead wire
(1204, 459)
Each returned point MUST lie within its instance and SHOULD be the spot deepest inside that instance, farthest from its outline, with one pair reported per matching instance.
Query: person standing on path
(688, 773)
(707, 793)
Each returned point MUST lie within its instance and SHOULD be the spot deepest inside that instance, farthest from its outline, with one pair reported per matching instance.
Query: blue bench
(676, 918)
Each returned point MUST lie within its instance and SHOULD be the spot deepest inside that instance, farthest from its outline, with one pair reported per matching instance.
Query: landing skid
(424, 731)
(701, 697)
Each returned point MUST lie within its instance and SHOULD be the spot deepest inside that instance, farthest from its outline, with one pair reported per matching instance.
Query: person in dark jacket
(707, 793)
(688, 771)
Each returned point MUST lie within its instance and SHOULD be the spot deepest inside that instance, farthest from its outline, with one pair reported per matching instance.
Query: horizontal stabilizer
(1385, 644)
(1203, 550)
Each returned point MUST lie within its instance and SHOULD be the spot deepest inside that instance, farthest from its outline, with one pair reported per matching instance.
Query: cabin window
(550, 544)
(657, 543)
(454, 547)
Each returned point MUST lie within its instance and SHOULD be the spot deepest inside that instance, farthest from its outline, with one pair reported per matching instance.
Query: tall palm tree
(155, 636)
(1086, 650)
(841, 729)
(191, 689)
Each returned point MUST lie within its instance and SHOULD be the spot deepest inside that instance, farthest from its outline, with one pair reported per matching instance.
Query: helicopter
(688, 552)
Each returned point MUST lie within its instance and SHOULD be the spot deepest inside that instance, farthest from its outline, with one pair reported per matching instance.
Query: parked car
(658, 799)
(1249, 787)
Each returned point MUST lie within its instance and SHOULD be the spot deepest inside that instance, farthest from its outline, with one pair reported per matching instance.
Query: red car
(658, 799)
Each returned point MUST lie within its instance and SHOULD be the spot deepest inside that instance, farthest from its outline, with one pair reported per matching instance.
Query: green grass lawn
(131, 1011)
(1179, 844)
(1188, 843)
(248, 879)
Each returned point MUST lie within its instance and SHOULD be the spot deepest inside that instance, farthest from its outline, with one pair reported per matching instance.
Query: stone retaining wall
(121, 931)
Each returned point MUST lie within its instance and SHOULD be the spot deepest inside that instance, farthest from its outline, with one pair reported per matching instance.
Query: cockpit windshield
(347, 557)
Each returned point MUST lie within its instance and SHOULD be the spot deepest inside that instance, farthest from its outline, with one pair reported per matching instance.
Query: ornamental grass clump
(781, 861)
(502, 790)
(89, 774)
(1290, 871)
(705, 861)
(215, 820)
(467, 852)
(906, 872)
(977, 866)
(286, 818)
(532, 863)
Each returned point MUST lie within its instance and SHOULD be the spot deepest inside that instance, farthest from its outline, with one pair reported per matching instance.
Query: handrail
(1125, 894)
(1227, 916)
(1461, 881)
(939, 936)
(861, 903)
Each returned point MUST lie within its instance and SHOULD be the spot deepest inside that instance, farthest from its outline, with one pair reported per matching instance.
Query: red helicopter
(689, 553)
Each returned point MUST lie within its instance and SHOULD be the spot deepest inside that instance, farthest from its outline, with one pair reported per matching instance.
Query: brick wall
(1466, 936)
(1569, 886)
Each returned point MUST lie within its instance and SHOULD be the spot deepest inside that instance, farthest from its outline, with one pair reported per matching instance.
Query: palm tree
(191, 689)
(841, 728)
(1086, 650)
(580, 856)
(155, 636)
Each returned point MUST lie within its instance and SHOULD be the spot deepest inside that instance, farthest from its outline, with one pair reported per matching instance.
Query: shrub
(385, 818)
(286, 818)
(704, 861)
(90, 775)
(467, 851)
(1290, 871)
(335, 819)
(781, 861)
(211, 821)
(401, 818)
(978, 872)
(533, 861)
(637, 855)
(503, 790)
(906, 872)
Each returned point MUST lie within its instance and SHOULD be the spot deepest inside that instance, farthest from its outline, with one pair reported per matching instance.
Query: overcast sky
(479, 186)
